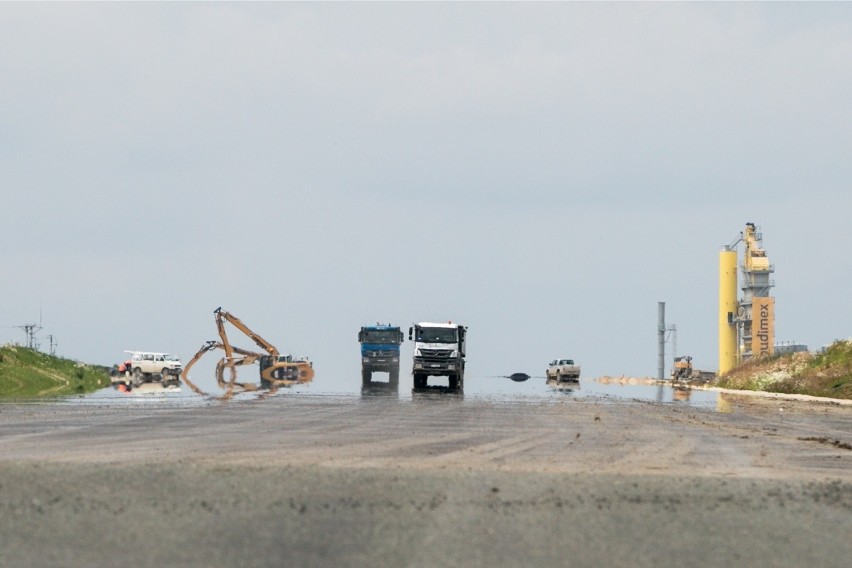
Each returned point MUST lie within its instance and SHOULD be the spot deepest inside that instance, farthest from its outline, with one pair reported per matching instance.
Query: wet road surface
(386, 477)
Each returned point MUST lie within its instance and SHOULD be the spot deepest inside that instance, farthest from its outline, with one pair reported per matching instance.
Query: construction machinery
(275, 369)
(439, 350)
(380, 351)
(682, 368)
(683, 371)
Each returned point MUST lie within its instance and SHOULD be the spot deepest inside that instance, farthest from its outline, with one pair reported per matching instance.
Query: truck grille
(381, 353)
(436, 353)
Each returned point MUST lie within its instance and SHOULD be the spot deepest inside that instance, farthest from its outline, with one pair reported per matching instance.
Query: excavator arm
(204, 349)
(222, 315)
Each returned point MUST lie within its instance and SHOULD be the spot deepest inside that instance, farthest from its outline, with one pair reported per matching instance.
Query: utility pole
(30, 329)
(663, 333)
(53, 344)
(661, 339)
(673, 331)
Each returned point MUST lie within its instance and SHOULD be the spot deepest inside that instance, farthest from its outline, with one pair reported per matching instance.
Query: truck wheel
(366, 377)
(454, 382)
(393, 377)
(419, 381)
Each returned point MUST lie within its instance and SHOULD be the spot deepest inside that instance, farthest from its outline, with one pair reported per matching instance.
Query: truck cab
(380, 351)
(439, 351)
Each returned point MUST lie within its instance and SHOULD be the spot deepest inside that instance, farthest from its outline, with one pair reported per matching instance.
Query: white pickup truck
(563, 370)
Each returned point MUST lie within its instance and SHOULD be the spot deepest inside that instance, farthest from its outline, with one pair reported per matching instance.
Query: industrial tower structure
(747, 327)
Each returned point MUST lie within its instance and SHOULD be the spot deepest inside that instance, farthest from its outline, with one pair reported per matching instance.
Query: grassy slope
(27, 373)
(826, 374)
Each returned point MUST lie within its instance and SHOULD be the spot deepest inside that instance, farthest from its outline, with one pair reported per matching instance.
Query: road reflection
(147, 388)
(264, 388)
(681, 394)
(379, 390)
(563, 387)
(437, 393)
(225, 387)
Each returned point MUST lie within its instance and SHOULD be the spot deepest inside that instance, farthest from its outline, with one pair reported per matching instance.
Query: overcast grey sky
(543, 173)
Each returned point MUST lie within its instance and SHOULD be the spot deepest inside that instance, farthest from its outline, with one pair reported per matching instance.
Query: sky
(544, 173)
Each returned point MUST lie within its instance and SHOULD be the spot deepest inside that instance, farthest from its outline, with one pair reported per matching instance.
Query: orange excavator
(275, 369)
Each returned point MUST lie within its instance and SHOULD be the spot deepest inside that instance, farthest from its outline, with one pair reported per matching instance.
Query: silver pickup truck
(563, 370)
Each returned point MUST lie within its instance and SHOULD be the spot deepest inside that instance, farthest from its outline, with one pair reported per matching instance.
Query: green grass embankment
(826, 374)
(26, 373)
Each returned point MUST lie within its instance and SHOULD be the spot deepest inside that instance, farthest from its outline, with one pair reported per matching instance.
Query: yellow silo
(727, 310)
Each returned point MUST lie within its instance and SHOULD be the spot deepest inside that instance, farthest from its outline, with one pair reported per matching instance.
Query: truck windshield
(437, 335)
(381, 336)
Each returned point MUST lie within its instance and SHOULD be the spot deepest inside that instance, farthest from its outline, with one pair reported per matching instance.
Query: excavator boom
(236, 322)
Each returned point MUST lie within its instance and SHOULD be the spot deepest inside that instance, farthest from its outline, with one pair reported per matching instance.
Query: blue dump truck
(380, 352)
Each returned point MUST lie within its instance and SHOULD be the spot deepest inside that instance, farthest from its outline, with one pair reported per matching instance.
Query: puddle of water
(150, 396)
(606, 390)
(497, 389)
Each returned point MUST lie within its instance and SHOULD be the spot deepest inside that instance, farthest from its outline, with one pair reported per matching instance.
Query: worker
(122, 368)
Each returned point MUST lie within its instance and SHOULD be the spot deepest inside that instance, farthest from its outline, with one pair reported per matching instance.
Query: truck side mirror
(410, 333)
(401, 337)
(360, 336)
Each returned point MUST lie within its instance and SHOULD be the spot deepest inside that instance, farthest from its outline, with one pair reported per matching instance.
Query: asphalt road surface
(434, 479)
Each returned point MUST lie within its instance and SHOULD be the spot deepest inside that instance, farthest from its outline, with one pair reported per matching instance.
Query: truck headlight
(395, 359)
(418, 366)
(365, 359)
(451, 367)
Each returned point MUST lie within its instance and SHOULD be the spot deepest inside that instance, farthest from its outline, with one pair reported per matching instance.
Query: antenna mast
(30, 329)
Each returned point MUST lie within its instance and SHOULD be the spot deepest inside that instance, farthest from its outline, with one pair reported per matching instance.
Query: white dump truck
(563, 370)
(439, 350)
